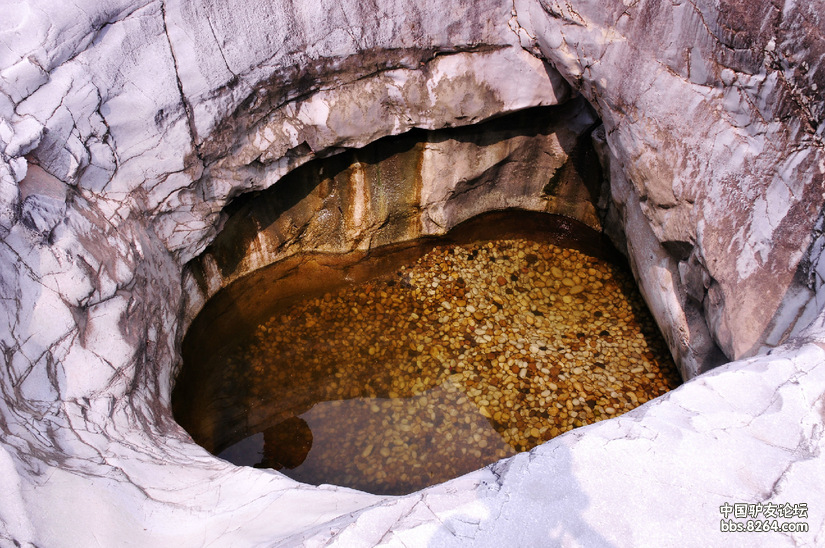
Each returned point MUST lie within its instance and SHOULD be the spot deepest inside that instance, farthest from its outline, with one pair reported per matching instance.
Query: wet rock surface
(420, 183)
(473, 353)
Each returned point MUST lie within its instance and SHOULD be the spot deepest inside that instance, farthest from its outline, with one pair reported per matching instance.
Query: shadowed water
(470, 353)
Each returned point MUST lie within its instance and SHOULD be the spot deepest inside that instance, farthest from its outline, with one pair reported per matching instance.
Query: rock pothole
(127, 129)
(472, 353)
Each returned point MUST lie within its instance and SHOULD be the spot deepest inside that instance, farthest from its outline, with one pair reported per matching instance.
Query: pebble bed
(473, 353)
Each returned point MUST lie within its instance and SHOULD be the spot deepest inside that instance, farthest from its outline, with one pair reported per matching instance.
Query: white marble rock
(126, 127)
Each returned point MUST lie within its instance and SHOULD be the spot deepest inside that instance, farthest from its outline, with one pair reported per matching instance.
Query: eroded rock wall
(419, 184)
(714, 114)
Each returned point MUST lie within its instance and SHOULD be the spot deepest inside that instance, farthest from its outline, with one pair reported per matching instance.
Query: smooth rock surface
(406, 187)
(126, 127)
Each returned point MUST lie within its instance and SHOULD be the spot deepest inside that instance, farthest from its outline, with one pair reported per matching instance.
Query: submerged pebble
(482, 351)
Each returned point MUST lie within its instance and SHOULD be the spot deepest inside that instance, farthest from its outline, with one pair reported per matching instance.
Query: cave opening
(376, 330)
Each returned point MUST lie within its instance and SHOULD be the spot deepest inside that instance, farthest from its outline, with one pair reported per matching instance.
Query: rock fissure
(220, 50)
(187, 107)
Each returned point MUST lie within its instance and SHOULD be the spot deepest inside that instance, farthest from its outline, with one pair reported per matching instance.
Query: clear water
(470, 354)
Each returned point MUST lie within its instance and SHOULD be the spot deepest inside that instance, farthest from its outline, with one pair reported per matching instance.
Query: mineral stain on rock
(472, 353)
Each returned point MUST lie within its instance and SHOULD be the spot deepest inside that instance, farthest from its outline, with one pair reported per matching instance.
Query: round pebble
(473, 353)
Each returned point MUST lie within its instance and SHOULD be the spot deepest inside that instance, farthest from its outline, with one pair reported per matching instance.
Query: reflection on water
(287, 444)
(386, 446)
(473, 353)
(247, 452)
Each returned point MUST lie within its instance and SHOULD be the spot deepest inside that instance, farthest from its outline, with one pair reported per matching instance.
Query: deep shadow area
(393, 163)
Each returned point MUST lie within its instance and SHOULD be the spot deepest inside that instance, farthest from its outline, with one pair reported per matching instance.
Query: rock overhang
(91, 298)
